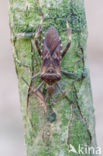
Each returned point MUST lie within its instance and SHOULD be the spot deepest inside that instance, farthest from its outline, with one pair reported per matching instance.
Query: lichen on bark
(75, 123)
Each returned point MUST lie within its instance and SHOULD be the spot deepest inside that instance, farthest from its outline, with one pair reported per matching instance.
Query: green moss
(42, 137)
(77, 16)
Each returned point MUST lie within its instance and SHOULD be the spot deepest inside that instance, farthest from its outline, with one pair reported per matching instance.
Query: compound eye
(50, 71)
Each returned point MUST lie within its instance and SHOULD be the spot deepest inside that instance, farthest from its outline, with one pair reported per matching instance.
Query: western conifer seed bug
(51, 57)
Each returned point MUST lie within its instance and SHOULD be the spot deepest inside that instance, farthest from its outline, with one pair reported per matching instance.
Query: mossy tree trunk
(75, 122)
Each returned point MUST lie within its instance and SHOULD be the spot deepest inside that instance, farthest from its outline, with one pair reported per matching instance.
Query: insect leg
(59, 87)
(33, 90)
(75, 75)
(46, 98)
(34, 76)
(63, 93)
(54, 100)
(36, 35)
(39, 86)
(36, 89)
(38, 95)
(69, 42)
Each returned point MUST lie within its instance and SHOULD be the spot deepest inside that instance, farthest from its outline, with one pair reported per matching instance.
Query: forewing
(45, 55)
(51, 38)
(57, 56)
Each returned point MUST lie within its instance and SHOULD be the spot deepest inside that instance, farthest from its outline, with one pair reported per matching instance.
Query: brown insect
(51, 55)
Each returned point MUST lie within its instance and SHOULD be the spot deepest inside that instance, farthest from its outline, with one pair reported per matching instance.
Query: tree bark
(50, 128)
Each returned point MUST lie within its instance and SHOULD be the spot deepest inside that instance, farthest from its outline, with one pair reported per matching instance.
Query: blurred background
(11, 124)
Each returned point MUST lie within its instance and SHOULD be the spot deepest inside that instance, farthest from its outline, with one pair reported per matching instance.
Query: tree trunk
(51, 128)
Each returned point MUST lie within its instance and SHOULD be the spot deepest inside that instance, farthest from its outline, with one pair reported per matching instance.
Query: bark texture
(75, 122)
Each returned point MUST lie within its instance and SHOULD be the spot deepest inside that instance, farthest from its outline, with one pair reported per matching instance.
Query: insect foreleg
(34, 76)
(75, 75)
